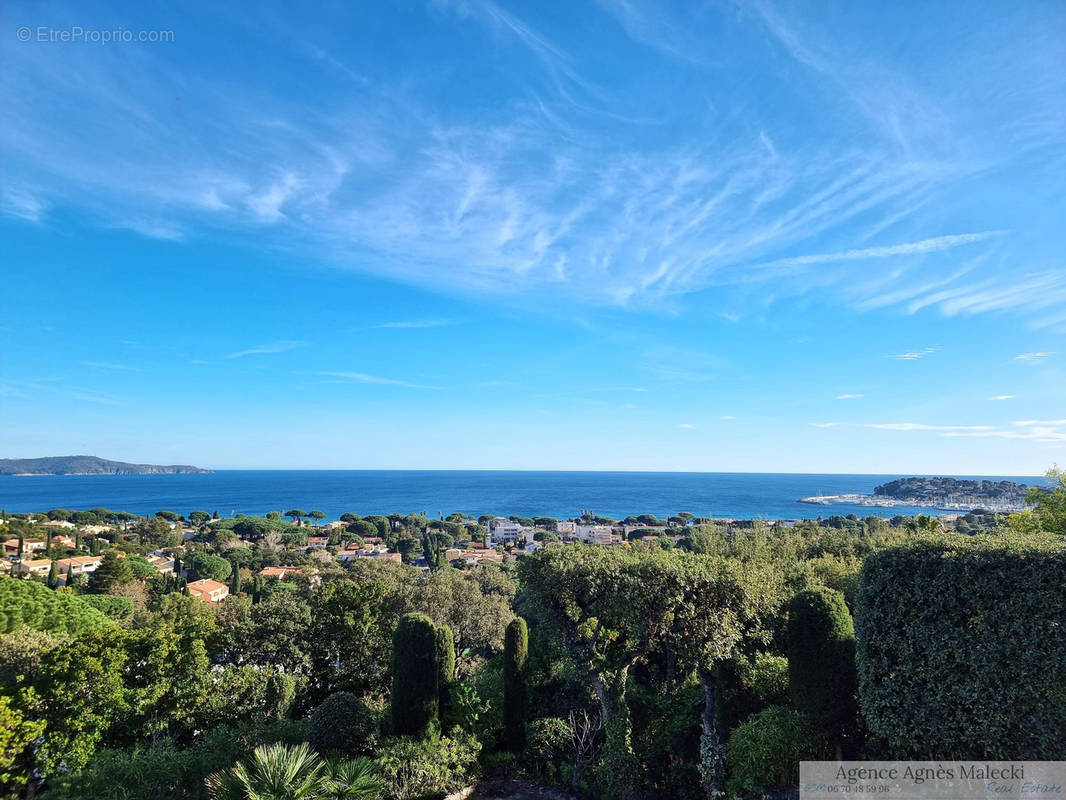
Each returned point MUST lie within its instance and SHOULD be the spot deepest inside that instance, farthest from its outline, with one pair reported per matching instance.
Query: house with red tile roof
(208, 590)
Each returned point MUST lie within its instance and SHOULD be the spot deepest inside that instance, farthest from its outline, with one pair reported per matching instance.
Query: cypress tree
(515, 655)
(53, 576)
(235, 580)
(20, 546)
(823, 680)
(415, 673)
(445, 669)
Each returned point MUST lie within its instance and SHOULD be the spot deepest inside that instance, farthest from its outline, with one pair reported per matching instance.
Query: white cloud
(914, 355)
(850, 396)
(22, 204)
(1002, 397)
(922, 246)
(727, 416)
(1046, 422)
(687, 426)
(416, 323)
(902, 426)
(363, 377)
(273, 347)
(1032, 356)
(109, 365)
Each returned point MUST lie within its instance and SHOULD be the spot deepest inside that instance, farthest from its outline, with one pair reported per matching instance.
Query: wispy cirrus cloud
(1002, 397)
(902, 426)
(569, 187)
(110, 365)
(1032, 356)
(933, 245)
(270, 348)
(914, 355)
(416, 323)
(366, 378)
(850, 396)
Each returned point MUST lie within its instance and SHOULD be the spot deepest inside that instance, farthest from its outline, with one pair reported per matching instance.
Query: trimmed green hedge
(30, 603)
(962, 649)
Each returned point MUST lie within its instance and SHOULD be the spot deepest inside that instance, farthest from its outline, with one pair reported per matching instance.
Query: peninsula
(89, 465)
(948, 494)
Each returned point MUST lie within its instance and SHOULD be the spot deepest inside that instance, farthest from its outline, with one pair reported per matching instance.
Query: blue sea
(554, 494)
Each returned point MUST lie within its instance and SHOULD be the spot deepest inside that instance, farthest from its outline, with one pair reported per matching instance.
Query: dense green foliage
(445, 669)
(766, 749)
(294, 772)
(652, 668)
(32, 604)
(821, 658)
(343, 723)
(415, 673)
(515, 655)
(419, 768)
(961, 649)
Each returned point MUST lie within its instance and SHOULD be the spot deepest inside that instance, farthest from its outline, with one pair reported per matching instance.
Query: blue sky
(614, 235)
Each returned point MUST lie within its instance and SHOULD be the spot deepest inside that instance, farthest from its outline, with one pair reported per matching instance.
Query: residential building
(11, 546)
(38, 566)
(566, 527)
(208, 590)
(277, 572)
(78, 565)
(594, 534)
(504, 531)
(162, 564)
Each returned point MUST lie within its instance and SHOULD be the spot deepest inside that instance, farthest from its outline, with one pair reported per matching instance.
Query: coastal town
(208, 555)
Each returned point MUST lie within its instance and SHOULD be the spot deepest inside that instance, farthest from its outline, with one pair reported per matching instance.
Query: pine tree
(415, 673)
(515, 656)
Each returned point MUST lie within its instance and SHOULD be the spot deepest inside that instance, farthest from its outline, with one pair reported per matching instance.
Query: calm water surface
(555, 494)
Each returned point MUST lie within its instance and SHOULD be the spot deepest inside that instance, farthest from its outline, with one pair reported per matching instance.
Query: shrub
(416, 768)
(821, 654)
(342, 723)
(961, 648)
(765, 750)
(548, 749)
(516, 652)
(767, 676)
(162, 770)
(415, 672)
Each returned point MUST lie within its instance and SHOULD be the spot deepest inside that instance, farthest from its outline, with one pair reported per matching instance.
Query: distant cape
(89, 465)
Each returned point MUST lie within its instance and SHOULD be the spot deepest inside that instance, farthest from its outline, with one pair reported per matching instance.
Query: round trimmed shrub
(343, 723)
(765, 750)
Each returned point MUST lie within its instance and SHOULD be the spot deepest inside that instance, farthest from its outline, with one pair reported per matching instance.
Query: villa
(78, 565)
(11, 546)
(209, 591)
(39, 566)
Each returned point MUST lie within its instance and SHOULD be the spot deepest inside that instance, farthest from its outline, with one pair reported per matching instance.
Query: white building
(594, 534)
(567, 528)
(504, 531)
